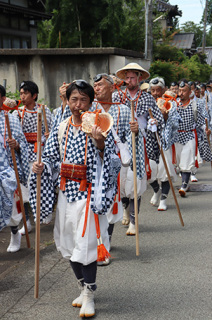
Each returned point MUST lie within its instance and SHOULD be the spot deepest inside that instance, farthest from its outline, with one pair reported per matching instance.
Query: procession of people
(101, 135)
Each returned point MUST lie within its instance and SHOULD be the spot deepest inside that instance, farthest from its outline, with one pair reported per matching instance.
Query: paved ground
(170, 280)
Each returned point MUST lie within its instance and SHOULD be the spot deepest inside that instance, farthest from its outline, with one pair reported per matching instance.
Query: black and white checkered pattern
(188, 122)
(75, 154)
(144, 103)
(125, 134)
(8, 185)
(21, 156)
(170, 132)
(60, 116)
(29, 124)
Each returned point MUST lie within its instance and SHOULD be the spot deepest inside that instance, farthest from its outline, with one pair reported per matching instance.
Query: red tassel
(18, 206)
(83, 185)
(196, 164)
(63, 183)
(115, 208)
(174, 160)
(102, 253)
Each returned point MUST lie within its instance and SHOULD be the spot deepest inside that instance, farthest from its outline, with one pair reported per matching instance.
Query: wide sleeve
(104, 180)
(51, 160)
(170, 131)
(22, 159)
(8, 186)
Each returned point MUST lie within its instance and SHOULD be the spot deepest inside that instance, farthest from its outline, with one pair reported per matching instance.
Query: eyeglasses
(183, 84)
(81, 83)
(101, 76)
(173, 84)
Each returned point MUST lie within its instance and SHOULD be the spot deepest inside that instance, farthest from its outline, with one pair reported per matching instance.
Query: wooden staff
(45, 120)
(18, 181)
(208, 137)
(37, 233)
(135, 182)
(167, 172)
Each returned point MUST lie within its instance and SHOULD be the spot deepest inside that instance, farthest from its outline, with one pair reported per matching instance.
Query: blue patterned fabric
(21, 156)
(8, 186)
(142, 105)
(170, 131)
(188, 122)
(75, 154)
(125, 134)
(30, 125)
(60, 116)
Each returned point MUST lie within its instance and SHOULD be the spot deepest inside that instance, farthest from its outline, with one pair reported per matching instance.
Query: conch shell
(164, 103)
(11, 104)
(102, 120)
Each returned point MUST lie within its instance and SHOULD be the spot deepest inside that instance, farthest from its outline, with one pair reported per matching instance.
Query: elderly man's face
(103, 90)
(157, 92)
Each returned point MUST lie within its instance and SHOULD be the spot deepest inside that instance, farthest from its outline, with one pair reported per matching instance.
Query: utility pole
(148, 30)
(205, 23)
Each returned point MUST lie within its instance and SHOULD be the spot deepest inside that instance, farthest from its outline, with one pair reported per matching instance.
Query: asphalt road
(169, 280)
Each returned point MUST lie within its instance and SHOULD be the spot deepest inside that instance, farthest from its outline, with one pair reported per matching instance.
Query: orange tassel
(63, 183)
(18, 206)
(35, 147)
(102, 253)
(83, 185)
(115, 208)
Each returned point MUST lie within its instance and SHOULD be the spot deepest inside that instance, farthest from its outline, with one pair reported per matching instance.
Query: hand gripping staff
(18, 181)
(167, 172)
(135, 182)
(37, 233)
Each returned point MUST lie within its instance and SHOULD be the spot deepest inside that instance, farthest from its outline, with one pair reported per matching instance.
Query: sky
(192, 10)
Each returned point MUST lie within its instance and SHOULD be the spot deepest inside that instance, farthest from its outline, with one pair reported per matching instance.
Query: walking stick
(37, 233)
(208, 136)
(18, 181)
(135, 182)
(44, 118)
(167, 172)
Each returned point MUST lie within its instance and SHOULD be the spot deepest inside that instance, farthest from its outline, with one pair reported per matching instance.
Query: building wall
(50, 70)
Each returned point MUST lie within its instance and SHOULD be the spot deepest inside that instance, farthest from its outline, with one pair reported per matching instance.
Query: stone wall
(50, 67)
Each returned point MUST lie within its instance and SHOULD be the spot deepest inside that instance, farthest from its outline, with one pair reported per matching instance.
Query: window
(4, 21)
(6, 42)
(24, 25)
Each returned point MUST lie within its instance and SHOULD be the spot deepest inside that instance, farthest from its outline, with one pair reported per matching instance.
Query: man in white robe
(82, 204)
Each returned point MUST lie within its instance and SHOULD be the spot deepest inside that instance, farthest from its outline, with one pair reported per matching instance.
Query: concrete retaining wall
(50, 67)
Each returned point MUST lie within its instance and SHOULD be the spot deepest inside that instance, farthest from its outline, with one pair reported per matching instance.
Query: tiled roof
(183, 41)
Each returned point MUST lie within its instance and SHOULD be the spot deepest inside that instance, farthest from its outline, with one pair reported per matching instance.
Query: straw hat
(144, 86)
(121, 73)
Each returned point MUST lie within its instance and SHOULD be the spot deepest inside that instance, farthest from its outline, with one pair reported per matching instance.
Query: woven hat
(144, 86)
(121, 73)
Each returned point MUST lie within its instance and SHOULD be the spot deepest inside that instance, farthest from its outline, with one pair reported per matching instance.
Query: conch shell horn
(11, 104)
(102, 120)
(165, 103)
